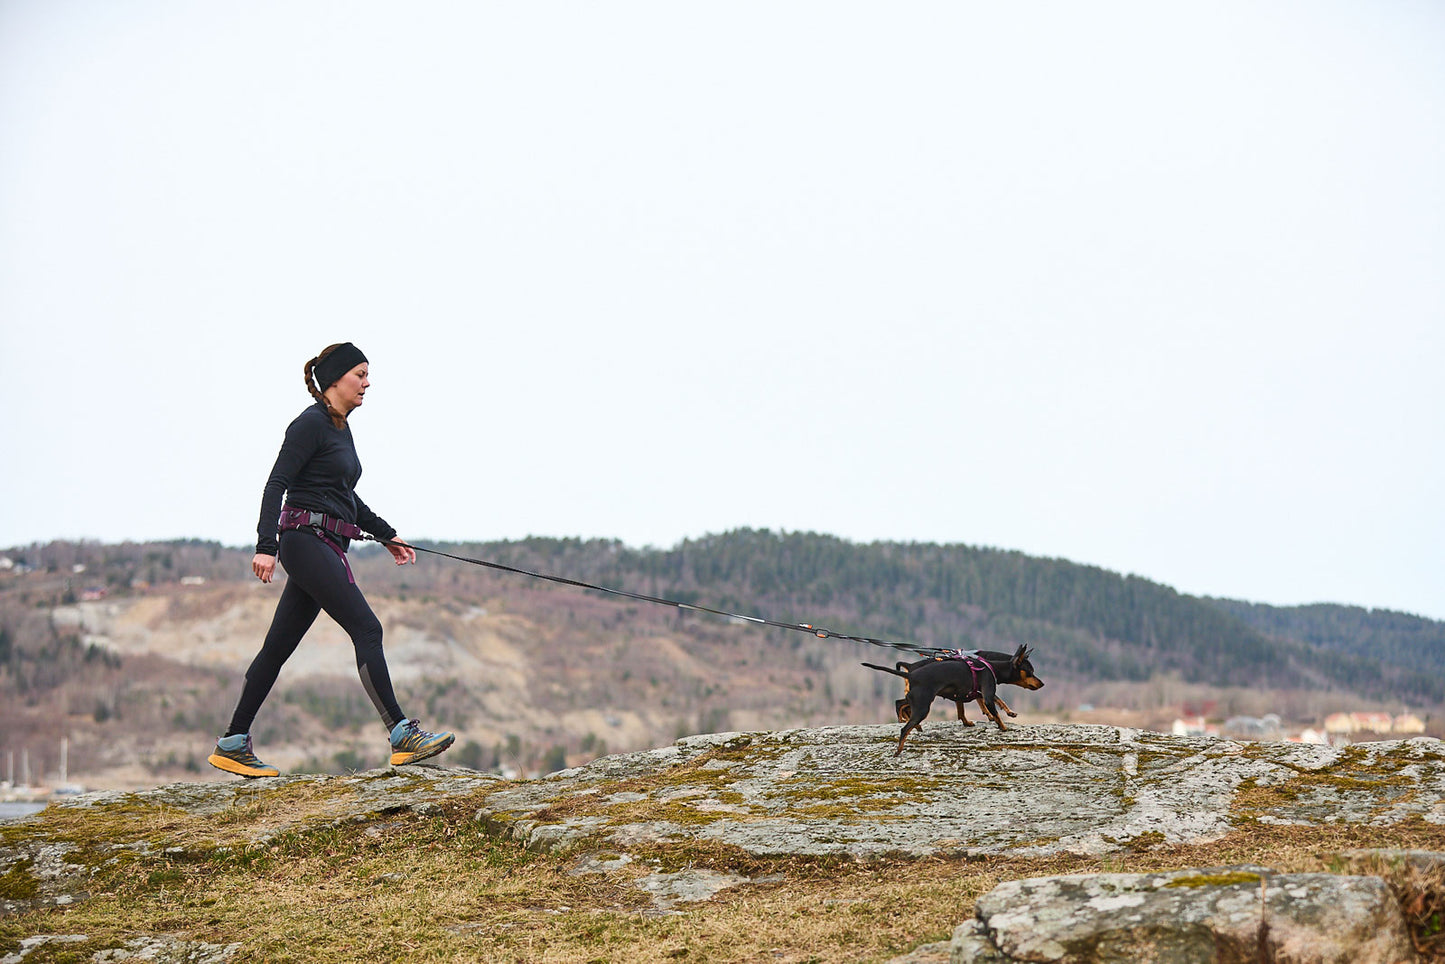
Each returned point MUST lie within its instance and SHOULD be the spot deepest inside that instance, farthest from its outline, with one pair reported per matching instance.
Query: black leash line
(818, 631)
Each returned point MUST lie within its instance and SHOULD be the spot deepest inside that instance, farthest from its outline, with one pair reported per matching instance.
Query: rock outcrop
(1032, 791)
(1229, 914)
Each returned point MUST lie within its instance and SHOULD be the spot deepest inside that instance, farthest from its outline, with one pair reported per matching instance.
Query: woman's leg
(295, 612)
(322, 576)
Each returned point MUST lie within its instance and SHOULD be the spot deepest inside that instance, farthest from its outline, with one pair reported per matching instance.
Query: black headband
(342, 359)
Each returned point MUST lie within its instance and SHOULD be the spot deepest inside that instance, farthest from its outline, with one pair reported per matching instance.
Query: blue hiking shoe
(233, 754)
(410, 743)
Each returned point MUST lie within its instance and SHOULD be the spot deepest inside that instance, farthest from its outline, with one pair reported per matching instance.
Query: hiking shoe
(233, 754)
(410, 743)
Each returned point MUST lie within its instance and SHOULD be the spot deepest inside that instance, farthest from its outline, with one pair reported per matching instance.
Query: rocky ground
(1036, 790)
(1042, 843)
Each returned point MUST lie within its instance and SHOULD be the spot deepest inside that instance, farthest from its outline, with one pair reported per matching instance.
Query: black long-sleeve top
(317, 469)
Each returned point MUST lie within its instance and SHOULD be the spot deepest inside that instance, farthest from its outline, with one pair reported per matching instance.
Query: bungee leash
(817, 631)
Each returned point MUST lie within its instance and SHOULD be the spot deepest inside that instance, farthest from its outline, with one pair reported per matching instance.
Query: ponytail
(337, 418)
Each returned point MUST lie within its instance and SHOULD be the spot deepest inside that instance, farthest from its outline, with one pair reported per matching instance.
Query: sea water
(15, 809)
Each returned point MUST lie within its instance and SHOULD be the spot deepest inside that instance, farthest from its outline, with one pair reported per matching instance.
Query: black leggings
(316, 580)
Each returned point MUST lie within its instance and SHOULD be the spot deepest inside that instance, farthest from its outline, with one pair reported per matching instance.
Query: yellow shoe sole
(231, 766)
(401, 757)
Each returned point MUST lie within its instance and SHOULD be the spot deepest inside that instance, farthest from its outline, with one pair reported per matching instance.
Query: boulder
(1230, 915)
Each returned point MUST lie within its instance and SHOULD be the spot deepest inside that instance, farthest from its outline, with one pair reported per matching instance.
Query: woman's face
(350, 389)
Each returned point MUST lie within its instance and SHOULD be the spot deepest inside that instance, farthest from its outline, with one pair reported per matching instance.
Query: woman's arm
(379, 527)
(302, 439)
(371, 522)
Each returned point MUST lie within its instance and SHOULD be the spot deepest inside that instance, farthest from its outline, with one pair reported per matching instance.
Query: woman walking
(316, 471)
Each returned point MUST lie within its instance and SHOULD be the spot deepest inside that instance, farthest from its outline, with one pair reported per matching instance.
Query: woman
(317, 472)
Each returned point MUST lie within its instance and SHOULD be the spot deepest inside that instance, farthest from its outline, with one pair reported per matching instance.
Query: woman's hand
(263, 566)
(400, 551)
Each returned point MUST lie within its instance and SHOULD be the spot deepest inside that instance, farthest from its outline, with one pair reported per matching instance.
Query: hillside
(1395, 639)
(136, 651)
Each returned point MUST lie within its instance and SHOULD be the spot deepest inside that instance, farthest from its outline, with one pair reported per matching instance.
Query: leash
(817, 631)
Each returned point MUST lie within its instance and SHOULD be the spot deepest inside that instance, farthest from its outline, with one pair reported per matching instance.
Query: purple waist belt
(295, 517)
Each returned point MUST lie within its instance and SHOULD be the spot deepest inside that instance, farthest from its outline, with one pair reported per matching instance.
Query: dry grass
(439, 888)
(1420, 888)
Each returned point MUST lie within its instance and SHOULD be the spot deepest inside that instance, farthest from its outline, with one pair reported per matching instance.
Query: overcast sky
(1154, 287)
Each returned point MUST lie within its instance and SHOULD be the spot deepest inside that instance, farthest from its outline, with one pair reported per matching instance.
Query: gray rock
(158, 949)
(939, 953)
(1230, 914)
(360, 796)
(1029, 791)
(38, 875)
(29, 945)
(971, 945)
(168, 950)
(686, 886)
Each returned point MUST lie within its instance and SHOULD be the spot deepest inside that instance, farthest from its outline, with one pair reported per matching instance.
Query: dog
(971, 676)
(904, 710)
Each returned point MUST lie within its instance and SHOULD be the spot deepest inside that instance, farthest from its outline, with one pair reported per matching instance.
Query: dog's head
(1025, 669)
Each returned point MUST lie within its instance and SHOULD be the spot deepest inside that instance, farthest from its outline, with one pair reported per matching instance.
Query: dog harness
(295, 517)
(975, 664)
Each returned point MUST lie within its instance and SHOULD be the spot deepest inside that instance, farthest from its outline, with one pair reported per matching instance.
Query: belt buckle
(316, 519)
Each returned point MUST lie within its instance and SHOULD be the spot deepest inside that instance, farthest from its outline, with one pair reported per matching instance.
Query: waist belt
(295, 517)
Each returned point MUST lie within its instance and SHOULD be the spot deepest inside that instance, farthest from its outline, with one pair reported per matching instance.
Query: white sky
(1155, 287)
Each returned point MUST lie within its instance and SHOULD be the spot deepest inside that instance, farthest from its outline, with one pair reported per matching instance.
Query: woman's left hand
(400, 551)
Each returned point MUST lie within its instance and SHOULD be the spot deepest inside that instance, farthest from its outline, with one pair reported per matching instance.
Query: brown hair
(337, 418)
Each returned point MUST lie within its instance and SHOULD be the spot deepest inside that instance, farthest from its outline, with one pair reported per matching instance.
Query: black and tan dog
(962, 677)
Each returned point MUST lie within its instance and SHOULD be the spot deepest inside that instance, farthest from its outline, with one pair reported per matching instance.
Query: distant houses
(1409, 723)
(1193, 726)
(1348, 724)
(1338, 727)
(1267, 727)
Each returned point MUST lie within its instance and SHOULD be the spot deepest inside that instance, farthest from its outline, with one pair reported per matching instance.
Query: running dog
(961, 677)
(903, 710)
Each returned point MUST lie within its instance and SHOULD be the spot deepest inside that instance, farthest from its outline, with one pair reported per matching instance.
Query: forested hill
(1093, 624)
(1097, 623)
(1399, 639)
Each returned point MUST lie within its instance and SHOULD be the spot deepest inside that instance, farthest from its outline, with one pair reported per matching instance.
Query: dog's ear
(1022, 653)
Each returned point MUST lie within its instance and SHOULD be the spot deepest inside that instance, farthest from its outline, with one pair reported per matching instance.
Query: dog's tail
(885, 669)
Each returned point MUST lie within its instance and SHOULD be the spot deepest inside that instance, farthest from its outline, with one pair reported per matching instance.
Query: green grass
(1215, 880)
(18, 883)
